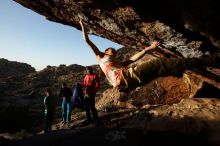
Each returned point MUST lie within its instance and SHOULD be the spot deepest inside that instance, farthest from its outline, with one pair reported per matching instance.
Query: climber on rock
(125, 78)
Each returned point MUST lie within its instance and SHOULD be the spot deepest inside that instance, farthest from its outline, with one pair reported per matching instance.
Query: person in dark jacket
(66, 94)
(49, 103)
(91, 84)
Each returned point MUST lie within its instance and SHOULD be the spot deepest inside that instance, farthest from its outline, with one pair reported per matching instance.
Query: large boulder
(190, 27)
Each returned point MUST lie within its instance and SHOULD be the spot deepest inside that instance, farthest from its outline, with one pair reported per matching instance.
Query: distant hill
(21, 92)
(13, 68)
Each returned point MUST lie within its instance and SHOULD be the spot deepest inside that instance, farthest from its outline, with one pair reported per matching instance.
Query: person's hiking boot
(64, 122)
(88, 122)
(97, 124)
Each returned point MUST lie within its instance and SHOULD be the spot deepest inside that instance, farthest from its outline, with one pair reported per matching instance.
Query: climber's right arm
(97, 52)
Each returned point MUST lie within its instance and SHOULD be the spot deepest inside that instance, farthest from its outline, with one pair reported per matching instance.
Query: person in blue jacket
(50, 105)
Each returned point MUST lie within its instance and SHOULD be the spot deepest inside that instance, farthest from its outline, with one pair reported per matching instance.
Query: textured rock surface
(188, 122)
(190, 27)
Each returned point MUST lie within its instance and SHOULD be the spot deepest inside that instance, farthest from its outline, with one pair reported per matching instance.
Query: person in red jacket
(91, 84)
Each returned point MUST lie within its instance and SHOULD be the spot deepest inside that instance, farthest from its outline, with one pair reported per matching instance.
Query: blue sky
(26, 36)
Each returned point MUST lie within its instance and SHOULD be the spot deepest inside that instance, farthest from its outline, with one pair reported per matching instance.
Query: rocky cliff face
(190, 27)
